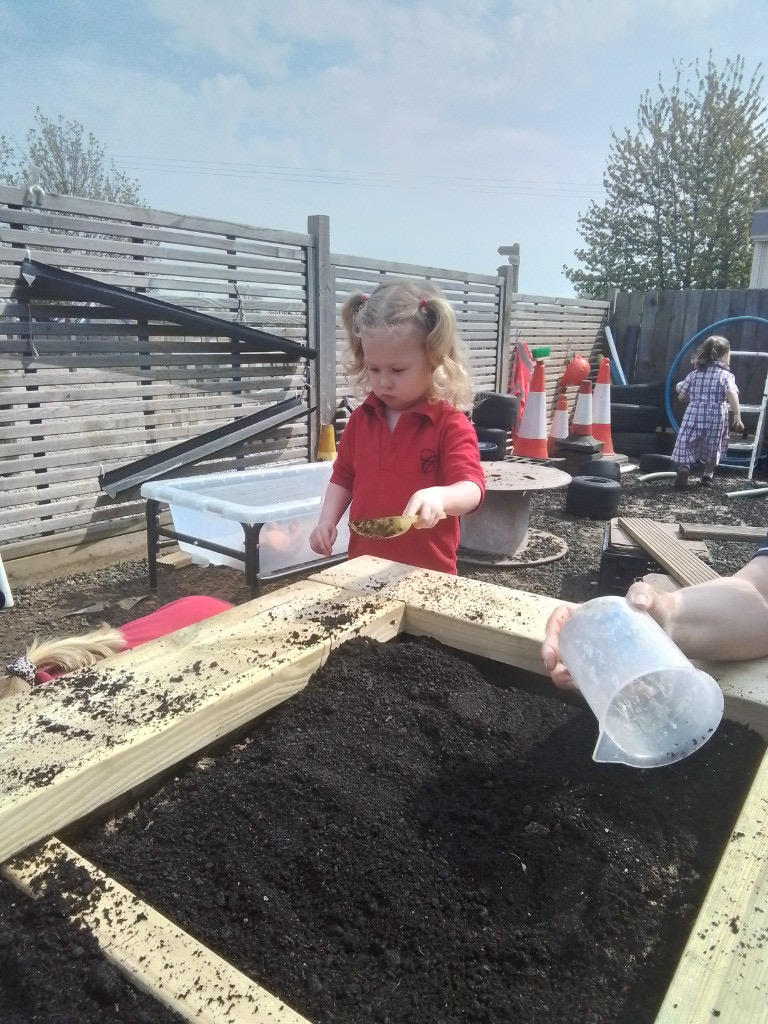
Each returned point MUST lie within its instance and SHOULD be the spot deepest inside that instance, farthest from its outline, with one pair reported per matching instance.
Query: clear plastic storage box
(285, 499)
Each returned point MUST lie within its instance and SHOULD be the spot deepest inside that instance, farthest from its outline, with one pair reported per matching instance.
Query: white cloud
(394, 91)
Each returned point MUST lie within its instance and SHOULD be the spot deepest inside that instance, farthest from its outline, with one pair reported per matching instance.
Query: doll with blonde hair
(408, 448)
(45, 661)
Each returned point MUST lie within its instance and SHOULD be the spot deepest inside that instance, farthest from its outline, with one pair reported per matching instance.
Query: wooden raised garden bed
(100, 733)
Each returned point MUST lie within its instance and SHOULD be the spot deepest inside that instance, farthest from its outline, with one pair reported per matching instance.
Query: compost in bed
(413, 837)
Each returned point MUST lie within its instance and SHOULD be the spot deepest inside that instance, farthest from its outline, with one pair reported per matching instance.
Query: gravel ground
(72, 604)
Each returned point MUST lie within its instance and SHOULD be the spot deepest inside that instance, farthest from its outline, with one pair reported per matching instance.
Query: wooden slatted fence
(568, 327)
(81, 395)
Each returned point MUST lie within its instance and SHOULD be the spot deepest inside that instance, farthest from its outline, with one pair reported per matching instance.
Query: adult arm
(720, 620)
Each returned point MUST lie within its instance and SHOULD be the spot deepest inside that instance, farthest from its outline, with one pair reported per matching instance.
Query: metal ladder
(754, 446)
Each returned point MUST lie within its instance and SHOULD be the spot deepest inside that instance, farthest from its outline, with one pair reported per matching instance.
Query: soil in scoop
(413, 838)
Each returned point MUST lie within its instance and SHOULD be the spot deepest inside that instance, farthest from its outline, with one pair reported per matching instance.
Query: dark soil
(412, 837)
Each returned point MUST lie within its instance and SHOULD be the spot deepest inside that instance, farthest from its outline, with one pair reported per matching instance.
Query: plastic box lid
(260, 495)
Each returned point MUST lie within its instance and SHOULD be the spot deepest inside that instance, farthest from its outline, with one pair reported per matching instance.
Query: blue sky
(429, 131)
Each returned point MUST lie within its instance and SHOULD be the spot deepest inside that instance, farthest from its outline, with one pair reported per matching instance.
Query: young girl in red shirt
(408, 448)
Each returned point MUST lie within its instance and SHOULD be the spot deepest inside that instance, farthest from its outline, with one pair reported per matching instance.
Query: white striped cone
(601, 408)
(582, 414)
(558, 428)
(6, 597)
(530, 438)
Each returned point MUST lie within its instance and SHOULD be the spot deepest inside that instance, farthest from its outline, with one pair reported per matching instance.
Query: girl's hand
(738, 426)
(322, 539)
(427, 504)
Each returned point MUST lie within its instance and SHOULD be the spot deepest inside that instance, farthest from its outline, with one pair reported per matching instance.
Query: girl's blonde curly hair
(405, 303)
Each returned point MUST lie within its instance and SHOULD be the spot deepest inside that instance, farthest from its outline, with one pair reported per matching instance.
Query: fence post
(507, 291)
(321, 315)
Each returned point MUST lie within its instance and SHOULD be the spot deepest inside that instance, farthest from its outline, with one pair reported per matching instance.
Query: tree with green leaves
(66, 161)
(681, 190)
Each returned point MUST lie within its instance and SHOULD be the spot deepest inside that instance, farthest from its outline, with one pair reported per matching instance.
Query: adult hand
(644, 598)
(550, 649)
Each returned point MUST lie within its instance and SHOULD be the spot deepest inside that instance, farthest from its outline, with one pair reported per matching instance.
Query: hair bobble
(422, 303)
(363, 298)
(22, 668)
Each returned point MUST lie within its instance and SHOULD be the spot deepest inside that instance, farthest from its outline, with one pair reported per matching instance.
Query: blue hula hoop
(692, 341)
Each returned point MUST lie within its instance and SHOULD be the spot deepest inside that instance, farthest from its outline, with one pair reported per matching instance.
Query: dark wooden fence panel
(651, 328)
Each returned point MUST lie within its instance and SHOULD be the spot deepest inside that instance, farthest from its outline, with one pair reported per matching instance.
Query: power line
(359, 179)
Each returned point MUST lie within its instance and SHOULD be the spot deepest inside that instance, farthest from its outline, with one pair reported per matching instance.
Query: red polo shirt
(433, 445)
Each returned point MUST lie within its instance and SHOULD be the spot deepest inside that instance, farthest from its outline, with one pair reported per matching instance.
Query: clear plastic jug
(652, 705)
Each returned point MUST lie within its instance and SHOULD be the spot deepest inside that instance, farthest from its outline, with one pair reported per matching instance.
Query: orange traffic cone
(530, 439)
(582, 413)
(558, 428)
(601, 408)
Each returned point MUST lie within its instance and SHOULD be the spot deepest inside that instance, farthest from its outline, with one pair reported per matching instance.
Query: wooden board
(470, 615)
(68, 748)
(679, 562)
(723, 972)
(175, 559)
(661, 582)
(703, 531)
(619, 539)
(156, 955)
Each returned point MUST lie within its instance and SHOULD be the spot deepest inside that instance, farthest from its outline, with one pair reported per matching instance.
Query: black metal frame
(250, 555)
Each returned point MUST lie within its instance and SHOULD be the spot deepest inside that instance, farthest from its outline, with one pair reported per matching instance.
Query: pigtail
(350, 312)
(451, 379)
(354, 365)
(713, 349)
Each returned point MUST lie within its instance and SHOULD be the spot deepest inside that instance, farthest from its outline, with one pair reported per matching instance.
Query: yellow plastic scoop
(386, 526)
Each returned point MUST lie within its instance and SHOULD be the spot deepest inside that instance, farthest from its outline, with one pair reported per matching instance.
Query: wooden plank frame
(213, 677)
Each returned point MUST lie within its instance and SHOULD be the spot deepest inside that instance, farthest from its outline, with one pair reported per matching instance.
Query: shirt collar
(374, 405)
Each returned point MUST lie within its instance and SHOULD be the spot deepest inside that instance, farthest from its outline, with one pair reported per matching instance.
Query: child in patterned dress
(709, 392)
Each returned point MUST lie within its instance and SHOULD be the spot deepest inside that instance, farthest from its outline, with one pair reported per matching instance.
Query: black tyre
(593, 497)
(635, 419)
(652, 393)
(652, 462)
(497, 438)
(634, 445)
(495, 411)
(600, 467)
